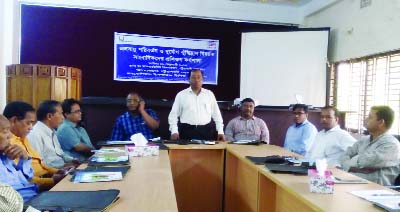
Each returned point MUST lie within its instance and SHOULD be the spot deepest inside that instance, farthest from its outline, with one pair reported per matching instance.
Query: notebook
(288, 169)
(122, 169)
(91, 177)
(108, 160)
(99, 200)
(247, 142)
(111, 143)
(275, 159)
(256, 160)
(391, 204)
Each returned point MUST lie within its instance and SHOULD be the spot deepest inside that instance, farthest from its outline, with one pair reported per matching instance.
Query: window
(357, 85)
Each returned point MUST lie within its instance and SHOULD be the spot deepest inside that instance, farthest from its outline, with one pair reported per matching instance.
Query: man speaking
(195, 106)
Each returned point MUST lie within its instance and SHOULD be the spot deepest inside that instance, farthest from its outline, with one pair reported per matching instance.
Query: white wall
(359, 32)
(8, 54)
(2, 71)
(221, 9)
(218, 9)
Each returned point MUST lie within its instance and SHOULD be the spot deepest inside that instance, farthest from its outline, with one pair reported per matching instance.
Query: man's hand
(221, 137)
(175, 136)
(142, 103)
(72, 164)
(61, 171)
(15, 151)
(58, 177)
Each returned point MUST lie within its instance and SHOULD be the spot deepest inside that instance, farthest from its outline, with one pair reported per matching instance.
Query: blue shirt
(70, 135)
(299, 139)
(18, 176)
(126, 125)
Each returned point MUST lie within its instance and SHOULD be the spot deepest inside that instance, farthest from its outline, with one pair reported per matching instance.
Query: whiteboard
(277, 66)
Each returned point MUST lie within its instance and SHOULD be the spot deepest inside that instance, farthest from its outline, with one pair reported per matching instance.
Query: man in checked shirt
(247, 126)
(136, 120)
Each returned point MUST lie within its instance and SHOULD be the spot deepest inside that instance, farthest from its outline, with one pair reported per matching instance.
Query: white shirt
(331, 145)
(44, 140)
(195, 110)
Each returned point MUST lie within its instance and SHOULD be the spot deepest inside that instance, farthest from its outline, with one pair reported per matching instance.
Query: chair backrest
(397, 181)
(397, 137)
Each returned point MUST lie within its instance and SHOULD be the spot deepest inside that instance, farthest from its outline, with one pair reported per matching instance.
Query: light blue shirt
(18, 176)
(299, 139)
(70, 135)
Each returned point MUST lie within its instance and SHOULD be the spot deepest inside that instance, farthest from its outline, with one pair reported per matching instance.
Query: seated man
(43, 136)
(73, 137)
(15, 175)
(300, 135)
(375, 157)
(247, 126)
(10, 199)
(136, 120)
(331, 142)
(21, 116)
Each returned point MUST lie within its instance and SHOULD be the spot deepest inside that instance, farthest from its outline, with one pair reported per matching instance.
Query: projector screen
(148, 58)
(278, 66)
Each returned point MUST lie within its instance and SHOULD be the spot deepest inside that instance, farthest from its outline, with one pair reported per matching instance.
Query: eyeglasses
(133, 100)
(76, 111)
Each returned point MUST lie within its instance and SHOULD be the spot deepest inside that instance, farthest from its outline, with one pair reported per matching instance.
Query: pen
(69, 171)
(386, 195)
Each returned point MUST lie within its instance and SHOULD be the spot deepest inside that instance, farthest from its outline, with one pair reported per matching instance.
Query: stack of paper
(109, 150)
(391, 205)
(102, 159)
(90, 177)
(385, 199)
(349, 181)
(108, 160)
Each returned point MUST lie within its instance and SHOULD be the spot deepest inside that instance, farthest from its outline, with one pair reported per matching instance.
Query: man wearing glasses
(72, 136)
(136, 120)
(300, 135)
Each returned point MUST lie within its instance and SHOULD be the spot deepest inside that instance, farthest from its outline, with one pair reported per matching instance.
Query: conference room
(278, 53)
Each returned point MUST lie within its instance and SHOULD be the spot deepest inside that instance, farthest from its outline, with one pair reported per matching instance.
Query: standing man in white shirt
(194, 107)
(43, 136)
(331, 142)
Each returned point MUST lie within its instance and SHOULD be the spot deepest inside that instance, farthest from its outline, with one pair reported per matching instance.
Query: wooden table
(198, 172)
(250, 187)
(148, 185)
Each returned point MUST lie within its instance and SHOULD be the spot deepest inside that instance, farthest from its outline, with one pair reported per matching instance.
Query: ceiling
(291, 3)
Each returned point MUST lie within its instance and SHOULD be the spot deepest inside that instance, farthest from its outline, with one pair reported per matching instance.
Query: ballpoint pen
(386, 195)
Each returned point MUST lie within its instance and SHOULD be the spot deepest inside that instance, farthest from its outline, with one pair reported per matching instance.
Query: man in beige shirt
(376, 157)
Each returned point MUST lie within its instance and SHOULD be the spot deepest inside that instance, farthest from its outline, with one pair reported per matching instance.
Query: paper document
(391, 204)
(109, 159)
(110, 150)
(89, 177)
(341, 180)
(372, 195)
(243, 141)
(119, 142)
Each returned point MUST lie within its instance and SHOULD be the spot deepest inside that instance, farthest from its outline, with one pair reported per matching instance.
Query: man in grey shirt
(376, 157)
